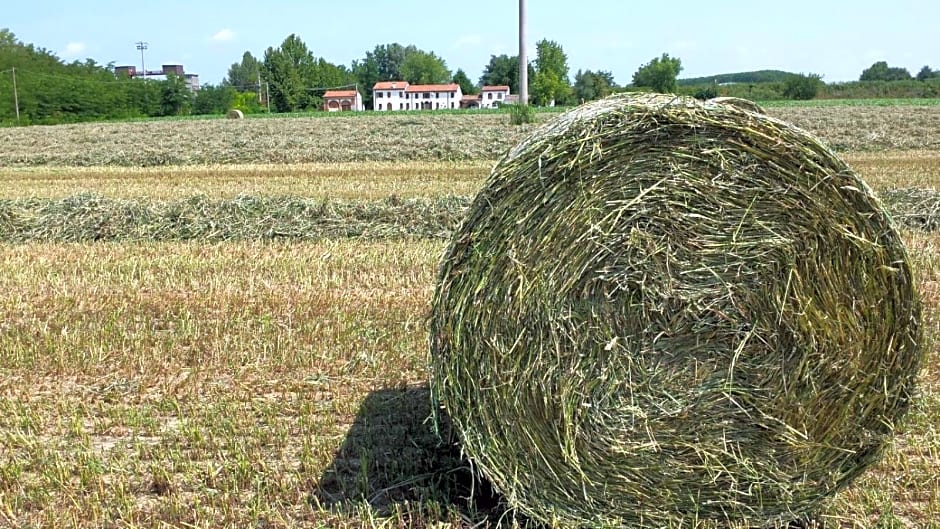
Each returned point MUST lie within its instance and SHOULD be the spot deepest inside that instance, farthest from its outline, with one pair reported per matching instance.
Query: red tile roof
(470, 97)
(340, 93)
(453, 87)
(390, 85)
(497, 88)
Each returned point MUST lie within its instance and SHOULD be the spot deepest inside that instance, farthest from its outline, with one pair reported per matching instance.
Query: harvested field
(434, 137)
(216, 385)
(247, 380)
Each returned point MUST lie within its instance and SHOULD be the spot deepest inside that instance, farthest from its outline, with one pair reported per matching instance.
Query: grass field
(282, 383)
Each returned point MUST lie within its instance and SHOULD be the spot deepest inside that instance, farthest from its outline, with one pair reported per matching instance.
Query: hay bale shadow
(392, 456)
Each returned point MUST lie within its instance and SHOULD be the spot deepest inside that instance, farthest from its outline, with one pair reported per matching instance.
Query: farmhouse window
(489, 95)
(389, 94)
(378, 95)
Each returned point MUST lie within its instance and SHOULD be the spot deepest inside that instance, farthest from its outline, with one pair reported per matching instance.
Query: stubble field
(222, 324)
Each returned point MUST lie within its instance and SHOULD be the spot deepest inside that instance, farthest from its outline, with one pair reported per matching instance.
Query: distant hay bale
(660, 310)
(235, 114)
(744, 104)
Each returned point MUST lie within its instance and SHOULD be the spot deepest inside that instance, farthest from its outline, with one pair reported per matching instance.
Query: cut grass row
(93, 218)
(192, 384)
(406, 137)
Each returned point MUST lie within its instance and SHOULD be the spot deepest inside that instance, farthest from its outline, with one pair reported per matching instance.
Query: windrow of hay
(89, 217)
(660, 310)
(913, 208)
(93, 217)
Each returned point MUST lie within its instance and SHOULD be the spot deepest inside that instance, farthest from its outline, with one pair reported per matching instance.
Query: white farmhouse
(399, 95)
(389, 95)
(433, 96)
(493, 96)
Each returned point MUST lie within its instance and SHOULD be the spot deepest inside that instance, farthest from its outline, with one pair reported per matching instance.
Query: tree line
(290, 78)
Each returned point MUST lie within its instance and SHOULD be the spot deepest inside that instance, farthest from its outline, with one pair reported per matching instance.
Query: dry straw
(235, 114)
(659, 311)
(744, 104)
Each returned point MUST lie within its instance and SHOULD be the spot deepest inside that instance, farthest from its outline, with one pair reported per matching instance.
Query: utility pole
(267, 93)
(523, 61)
(141, 45)
(260, 98)
(16, 97)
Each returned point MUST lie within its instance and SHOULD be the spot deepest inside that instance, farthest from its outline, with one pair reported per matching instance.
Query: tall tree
(880, 71)
(243, 76)
(504, 70)
(926, 73)
(421, 67)
(212, 99)
(802, 86)
(659, 74)
(290, 70)
(589, 85)
(466, 85)
(551, 83)
(176, 97)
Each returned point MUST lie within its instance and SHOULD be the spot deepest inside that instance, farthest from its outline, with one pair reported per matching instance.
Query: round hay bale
(660, 310)
(235, 114)
(743, 104)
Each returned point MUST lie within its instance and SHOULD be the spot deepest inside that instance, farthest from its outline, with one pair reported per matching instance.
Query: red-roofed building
(493, 96)
(342, 100)
(399, 95)
(433, 96)
(389, 95)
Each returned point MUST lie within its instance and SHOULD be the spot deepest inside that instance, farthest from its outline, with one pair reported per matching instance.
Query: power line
(325, 88)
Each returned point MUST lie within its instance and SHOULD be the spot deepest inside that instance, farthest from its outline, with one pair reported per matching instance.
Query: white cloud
(223, 35)
(74, 50)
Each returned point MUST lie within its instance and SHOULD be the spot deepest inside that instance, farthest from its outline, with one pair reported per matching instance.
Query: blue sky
(835, 39)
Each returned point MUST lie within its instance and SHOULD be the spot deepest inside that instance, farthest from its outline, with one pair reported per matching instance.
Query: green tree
(421, 67)
(589, 85)
(659, 74)
(550, 83)
(503, 70)
(880, 71)
(802, 87)
(176, 97)
(466, 85)
(244, 75)
(52, 91)
(926, 73)
(290, 70)
(212, 99)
